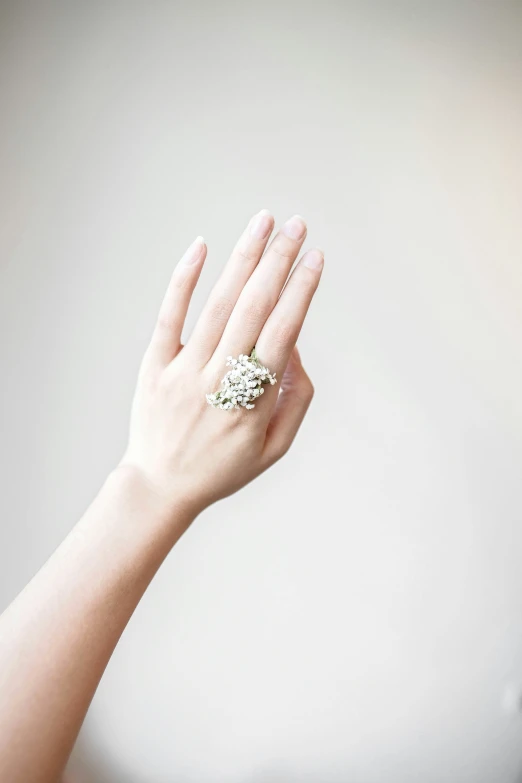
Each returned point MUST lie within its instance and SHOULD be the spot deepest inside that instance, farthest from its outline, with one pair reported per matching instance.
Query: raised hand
(187, 450)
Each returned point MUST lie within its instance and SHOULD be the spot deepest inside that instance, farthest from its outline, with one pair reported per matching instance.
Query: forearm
(57, 637)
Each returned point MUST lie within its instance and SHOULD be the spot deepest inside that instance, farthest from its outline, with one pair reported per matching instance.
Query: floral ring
(242, 384)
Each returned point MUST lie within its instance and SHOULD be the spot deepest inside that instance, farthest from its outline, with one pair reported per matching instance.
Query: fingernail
(194, 251)
(314, 259)
(261, 224)
(295, 228)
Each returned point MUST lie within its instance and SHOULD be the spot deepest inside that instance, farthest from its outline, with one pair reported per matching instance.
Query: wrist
(144, 500)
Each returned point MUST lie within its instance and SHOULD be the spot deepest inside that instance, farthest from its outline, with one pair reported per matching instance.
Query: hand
(187, 450)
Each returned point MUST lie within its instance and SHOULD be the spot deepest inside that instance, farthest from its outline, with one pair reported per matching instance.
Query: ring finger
(279, 334)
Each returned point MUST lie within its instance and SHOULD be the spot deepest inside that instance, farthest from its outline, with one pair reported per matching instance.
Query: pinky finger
(166, 338)
(294, 399)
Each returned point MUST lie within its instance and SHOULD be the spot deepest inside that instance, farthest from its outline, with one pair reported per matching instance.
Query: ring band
(242, 384)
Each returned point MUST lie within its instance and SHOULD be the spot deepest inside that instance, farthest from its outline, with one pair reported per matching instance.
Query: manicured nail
(295, 228)
(194, 251)
(261, 224)
(314, 259)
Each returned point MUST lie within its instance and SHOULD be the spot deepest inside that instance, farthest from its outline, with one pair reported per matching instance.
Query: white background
(356, 614)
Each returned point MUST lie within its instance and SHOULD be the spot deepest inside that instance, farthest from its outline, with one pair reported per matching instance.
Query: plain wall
(354, 616)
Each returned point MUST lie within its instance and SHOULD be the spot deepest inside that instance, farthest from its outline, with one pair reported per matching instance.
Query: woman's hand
(186, 450)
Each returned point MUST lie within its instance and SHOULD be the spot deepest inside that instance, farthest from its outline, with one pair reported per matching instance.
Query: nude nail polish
(314, 259)
(261, 224)
(194, 251)
(295, 228)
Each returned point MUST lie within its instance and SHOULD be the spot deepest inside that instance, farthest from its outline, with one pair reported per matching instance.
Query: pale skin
(56, 638)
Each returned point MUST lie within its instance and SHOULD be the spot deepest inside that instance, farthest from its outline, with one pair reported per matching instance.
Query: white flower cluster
(242, 384)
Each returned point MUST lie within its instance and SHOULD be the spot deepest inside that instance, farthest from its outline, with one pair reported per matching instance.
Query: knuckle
(284, 249)
(285, 333)
(220, 309)
(309, 385)
(239, 423)
(284, 449)
(247, 253)
(281, 450)
(255, 312)
(304, 389)
(167, 321)
(308, 389)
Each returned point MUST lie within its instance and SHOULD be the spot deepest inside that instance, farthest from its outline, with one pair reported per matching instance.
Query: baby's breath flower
(241, 384)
